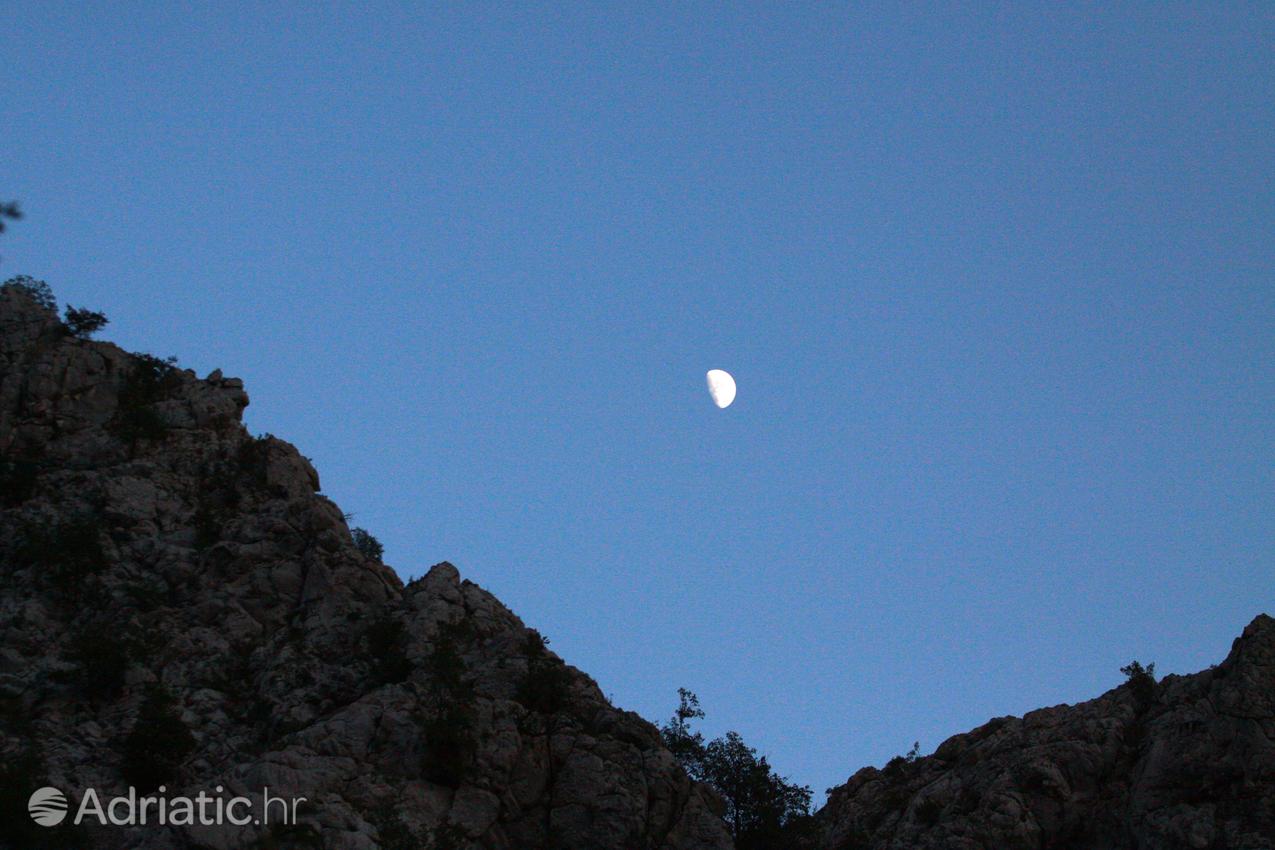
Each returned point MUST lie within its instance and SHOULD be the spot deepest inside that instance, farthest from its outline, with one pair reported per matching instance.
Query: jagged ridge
(1185, 763)
(147, 539)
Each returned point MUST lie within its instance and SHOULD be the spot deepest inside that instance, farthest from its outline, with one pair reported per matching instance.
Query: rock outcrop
(180, 605)
(1188, 762)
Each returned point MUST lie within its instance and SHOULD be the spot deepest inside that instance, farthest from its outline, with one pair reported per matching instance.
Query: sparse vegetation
(448, 729)
(686, 745)
(158, 743)
(367, 545)
(70, 550)
(207, 524)
(224, 482)
(899, 763)
(83, 323)
(546, 686)
(449, 742)
(150, 380)
(764, 811)
(386, 640)
(253, 458)
(37, 290)
(446, 666)
(1141, 680)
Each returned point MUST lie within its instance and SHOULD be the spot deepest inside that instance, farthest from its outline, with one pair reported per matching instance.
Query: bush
(1134, 671)
(37, 290)
(761, 806)
(387, 647)
(70, 551)
(208, 522)
(685, 745)
(1141, 680)
(449, 740)
(149, 381)
(547, 684)
(446, 666)
(253, 458)
(84, 323)
(219, 492)
(898, 764)
(449, 743)
(763, 809)
(367, 545)
(158, 743)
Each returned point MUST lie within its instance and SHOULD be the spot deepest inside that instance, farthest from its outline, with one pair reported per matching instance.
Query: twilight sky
(997, 286)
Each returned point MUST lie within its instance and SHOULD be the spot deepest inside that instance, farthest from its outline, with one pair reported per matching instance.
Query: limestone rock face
(180, 605)
(153, 553)
(1188, 762)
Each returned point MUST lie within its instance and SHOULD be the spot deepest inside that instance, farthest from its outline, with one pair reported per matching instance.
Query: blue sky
(997, 286)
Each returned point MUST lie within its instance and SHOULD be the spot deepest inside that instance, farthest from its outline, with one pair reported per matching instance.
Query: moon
(721, 386)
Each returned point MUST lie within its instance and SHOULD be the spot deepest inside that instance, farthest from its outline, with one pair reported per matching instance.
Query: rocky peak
(75, 399)
(179, 604)
(1188, 762)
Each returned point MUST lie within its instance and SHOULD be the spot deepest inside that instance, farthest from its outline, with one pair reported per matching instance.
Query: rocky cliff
(179, 605)
(1188, 762)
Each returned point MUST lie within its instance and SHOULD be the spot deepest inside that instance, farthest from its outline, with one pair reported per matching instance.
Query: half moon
(721, 386)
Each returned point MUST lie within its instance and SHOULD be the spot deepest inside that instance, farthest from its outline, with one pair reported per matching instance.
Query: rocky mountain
(180, 606)
(1188, 762)
(182, 611)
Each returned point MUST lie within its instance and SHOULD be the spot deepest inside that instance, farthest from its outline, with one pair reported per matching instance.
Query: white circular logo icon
(47, 806)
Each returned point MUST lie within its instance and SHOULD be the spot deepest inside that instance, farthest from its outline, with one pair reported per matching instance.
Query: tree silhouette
(83, 323)
(1141, 680)
(686, 745)
(764, 811)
